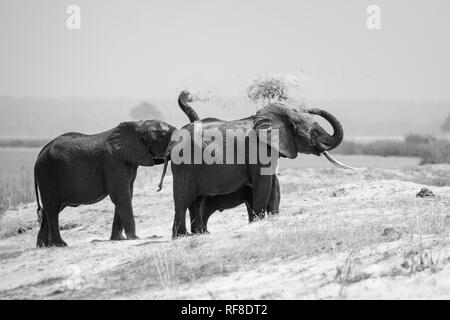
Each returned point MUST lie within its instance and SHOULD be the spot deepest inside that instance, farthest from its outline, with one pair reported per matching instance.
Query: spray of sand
(263, 89)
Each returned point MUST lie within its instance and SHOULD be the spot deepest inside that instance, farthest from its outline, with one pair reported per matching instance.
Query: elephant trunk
(166, 162)
(183, 99)
(327, 141)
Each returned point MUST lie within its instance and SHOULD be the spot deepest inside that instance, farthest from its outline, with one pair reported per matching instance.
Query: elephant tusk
(337, 163)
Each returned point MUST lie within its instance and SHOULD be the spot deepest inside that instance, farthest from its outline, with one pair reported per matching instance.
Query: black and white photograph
(211, 150)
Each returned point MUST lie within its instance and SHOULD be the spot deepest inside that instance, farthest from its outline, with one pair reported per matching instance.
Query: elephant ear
(269, 119)
(125, 143)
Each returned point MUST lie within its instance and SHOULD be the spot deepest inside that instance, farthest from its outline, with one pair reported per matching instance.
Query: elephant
(204, 206)
(293, 132)
(75, 169)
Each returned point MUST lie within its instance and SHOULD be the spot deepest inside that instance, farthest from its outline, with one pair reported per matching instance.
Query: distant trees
(429, 148)
(23, 143)
(145, 111)
(446, 125)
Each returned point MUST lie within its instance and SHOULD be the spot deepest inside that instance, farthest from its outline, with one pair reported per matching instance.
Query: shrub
(144, 111)
(446, 125)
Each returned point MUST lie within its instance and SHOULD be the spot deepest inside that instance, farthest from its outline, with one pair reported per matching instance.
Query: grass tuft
(14, 191)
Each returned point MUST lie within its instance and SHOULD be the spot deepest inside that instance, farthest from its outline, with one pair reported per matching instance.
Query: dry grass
(420, 259)
(149, 177)
(14, 191)
(337, 230)
(20, 189)
(315, 232)
(199, 258)
(348, 273)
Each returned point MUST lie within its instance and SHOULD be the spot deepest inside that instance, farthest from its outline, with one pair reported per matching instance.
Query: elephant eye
(315, 133)
(294, 127)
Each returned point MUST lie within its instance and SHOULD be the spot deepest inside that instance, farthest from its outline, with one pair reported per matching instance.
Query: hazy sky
(143, 49)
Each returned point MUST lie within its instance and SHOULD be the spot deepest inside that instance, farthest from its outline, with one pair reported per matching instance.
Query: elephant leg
(183, 197)
(207, 208)
(52, 215)
(261, 193)
(122, 201)
(273, 205)
(179, 223)
(43, 235)
(196, 217)
(117, 228)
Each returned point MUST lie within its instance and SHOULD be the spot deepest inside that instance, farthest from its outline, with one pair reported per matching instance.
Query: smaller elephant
(205, 206)
(76, 169)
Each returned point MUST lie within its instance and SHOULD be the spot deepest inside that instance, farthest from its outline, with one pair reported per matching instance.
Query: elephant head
(298, 132)
(141, 143)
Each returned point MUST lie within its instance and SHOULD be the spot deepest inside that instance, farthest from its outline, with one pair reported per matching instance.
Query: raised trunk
(183, 98)
(328, 141)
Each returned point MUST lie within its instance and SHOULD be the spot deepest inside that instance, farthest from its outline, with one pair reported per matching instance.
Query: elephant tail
(166, 162)
(183, 99)
(40, 211)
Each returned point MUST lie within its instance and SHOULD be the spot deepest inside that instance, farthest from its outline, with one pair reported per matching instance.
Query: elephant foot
(179, 230)
(132, 237)
(57, 243)
(180, 235)
(40, 243)
(273, 213)
(256, 217)
(117, 237)
(200, 231)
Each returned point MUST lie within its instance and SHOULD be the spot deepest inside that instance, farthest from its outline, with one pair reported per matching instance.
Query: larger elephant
(203, 207)
(297, 132)
(76, 169)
